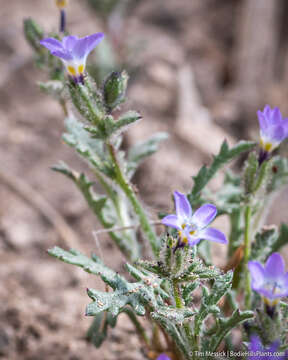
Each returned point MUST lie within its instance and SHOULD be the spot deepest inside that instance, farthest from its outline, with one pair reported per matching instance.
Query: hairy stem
(179, 304)
(127, 188)
(139, 328)
(120, 212)
(93, 110)
(247, 248)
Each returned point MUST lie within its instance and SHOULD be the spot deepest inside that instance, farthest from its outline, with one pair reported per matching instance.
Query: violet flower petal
(204, 215)
(85, 45)
(69, 42)
(62, 55)
(277, 133)
(172, 221)
(257, 274)
(52, 44)
(163, 357)
(273, 128)
(192, 241)
(255, 344)
(183, 207)
(275, 266)
(214, 235)
(262, 121)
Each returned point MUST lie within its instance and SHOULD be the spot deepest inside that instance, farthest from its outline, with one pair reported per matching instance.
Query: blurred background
(200, 69)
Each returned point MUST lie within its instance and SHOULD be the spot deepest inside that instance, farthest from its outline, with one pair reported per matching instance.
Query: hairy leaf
(210, 299)
(224, 326)
(263, 244)
(137, 295)
(97, 332)
(174, 331)
(282, 239)
(102, 207)
(140, 151)
(93, 266)
(175, 315)
(90, 149)
(225, 155)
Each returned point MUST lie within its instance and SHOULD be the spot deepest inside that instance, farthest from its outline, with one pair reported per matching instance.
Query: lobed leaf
(175, 315)
(225, 155)
(224, 326)
(140, 151)
(97, 332)
(92, 266)
(264, 243)
(282, 239)
(209, 300)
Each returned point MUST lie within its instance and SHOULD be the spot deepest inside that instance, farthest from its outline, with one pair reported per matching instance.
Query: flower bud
(33, 34)
(114, 90)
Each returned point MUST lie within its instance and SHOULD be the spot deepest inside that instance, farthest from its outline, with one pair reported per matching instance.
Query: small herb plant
(191, 307)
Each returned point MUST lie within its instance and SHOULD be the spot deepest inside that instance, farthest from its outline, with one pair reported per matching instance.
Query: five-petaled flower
(193, 227)
(163, 357)
(259, 352)
(73, 52)
(270, 281)
(273, 130)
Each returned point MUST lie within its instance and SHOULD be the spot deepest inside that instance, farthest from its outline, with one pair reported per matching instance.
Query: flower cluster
(270, 281)
(73, 52)
(193, 227)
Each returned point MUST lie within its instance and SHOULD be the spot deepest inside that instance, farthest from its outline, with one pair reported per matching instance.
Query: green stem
(139, 328)
(130, 254)
(176, 293)
(92, 108)
(247, 249)
(127, 188)
(235, 233)
(179, 304)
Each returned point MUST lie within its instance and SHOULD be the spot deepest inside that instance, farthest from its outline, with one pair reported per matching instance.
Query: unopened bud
(114, 90)
(33, 33)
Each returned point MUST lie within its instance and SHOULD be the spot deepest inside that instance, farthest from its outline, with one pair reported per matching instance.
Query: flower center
(265, 145)
(274, 287)
(187, 230)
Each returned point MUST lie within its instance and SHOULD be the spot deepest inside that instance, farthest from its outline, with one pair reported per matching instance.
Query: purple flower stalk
(273, 130)
(73, 52)
(61, 4)
(259, 352)
(270, 281)
(163, 357)
(193, 227)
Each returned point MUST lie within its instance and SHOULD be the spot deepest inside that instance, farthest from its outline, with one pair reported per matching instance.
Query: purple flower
(270, 281)
(193, 227)
(163, 357)
(273, 128)
(260, 353)
(73, 52)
